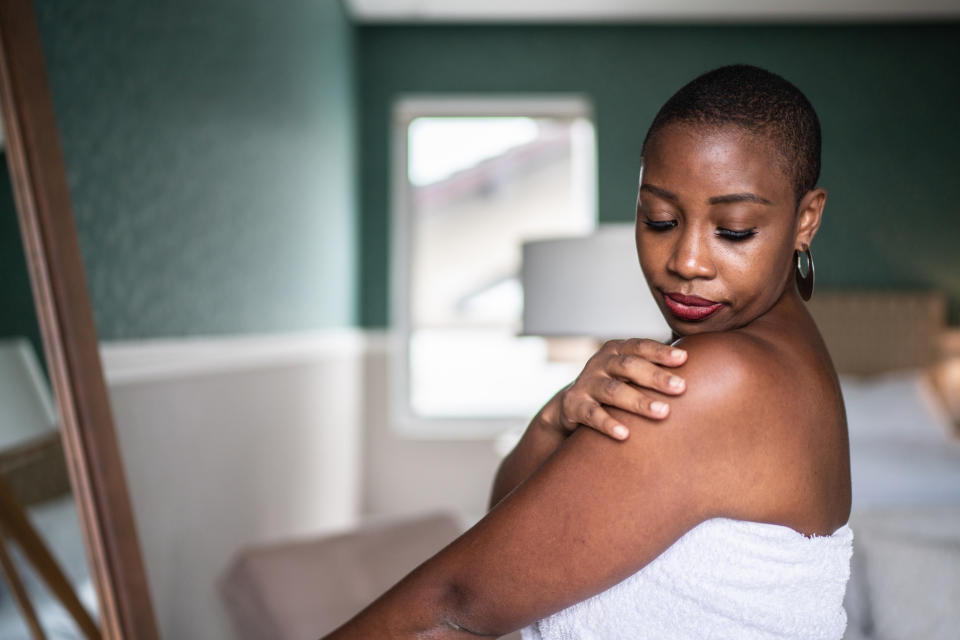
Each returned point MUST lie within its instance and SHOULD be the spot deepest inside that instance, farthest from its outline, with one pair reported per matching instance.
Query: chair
(302, 590)
(32, 469)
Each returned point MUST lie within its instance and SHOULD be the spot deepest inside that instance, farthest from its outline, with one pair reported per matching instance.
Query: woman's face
(717, 224)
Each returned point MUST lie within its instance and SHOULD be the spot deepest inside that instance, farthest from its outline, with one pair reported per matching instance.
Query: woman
(725, 518)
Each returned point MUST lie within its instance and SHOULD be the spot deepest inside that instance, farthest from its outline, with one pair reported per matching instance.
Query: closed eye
(660, 225)
(736, 235)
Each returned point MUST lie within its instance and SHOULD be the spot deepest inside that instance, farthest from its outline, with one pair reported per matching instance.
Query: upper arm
(598, 510)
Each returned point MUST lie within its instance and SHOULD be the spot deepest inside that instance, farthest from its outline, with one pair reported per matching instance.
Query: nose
(691, 256)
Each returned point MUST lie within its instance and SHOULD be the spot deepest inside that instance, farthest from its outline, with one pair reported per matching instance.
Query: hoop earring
(804, 282)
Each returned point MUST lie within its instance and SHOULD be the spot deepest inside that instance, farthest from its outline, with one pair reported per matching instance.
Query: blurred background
(302, 226)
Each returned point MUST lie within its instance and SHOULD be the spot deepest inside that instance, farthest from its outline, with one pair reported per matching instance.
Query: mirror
(46, 589)
(38, 519)
(230, 439)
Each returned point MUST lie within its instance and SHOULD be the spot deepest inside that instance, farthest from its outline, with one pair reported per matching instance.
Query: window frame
(407, 108)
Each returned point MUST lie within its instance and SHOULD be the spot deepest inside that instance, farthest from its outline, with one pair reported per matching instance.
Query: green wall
(887, 97)
(210, 151)
(214, 148)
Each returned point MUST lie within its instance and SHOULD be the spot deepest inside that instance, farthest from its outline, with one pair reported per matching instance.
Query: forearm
(541, 438)
(415, 608)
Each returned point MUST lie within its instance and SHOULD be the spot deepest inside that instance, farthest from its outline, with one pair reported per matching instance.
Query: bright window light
(439, 147)
(475, 189)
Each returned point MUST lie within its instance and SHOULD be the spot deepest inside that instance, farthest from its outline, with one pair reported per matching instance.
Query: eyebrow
(657, 191)
(738, 197)
(729, 198)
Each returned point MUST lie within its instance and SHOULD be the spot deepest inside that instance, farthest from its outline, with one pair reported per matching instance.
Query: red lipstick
(690, 308)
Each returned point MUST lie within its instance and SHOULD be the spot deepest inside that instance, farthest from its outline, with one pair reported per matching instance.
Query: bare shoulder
(728, 366)
(745, 376)
(734, 387)
(762, 426)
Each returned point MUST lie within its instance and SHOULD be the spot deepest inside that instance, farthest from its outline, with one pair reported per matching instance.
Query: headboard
(874, 332)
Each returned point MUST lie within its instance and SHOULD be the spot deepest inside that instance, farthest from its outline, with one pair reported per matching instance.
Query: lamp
(588, 286)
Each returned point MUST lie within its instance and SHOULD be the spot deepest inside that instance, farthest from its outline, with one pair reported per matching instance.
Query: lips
(690, 308)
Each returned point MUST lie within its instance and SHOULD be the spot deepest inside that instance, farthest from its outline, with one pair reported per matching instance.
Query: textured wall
(886, 95)
(210, 155)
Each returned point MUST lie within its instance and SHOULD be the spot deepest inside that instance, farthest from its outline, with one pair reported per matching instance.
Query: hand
(616, 376)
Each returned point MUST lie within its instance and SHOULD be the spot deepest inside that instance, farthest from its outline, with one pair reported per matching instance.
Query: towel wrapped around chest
(723, 579)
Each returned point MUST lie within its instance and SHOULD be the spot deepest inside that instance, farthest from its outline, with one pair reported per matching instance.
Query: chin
(682, 329)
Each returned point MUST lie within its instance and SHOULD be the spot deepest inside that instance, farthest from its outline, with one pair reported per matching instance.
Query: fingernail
(678, 353)
(658, 407)
(675, 382)
(620, 431)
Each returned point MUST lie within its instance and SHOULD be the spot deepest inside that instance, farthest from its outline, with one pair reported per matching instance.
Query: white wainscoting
(235, 441)
(229, 442)
(403, 475)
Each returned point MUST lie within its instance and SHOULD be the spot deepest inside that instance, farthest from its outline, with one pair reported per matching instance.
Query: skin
(759, 433)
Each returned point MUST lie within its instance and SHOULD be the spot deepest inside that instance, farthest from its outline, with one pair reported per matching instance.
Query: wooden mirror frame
(66, 324)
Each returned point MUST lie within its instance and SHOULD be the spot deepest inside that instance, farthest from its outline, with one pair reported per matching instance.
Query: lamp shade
(589, 286)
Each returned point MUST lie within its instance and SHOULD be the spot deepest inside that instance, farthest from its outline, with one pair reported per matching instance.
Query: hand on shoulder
(718, 431)
(765, 430)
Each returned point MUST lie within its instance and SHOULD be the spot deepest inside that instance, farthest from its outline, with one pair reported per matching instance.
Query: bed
(905, 465)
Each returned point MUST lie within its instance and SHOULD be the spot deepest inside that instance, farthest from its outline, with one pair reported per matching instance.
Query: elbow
(467, 613)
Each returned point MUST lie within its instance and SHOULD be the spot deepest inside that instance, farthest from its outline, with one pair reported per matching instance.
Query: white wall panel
(229, 443)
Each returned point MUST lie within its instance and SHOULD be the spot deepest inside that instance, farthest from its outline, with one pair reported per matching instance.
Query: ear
(809, 213)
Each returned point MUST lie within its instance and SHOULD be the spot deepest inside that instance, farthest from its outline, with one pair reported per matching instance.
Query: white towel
(727, 579)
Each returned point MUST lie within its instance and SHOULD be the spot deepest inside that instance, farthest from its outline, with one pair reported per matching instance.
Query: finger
(610, 347)
(653, 351)
(644, 374)
(598, 419)
(619, 394)
(598, 360)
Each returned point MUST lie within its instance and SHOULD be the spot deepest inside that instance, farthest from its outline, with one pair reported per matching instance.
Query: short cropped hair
(760, 102)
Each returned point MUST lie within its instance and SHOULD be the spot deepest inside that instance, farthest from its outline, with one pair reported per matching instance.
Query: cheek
(741, 272)
(755, 272)
(650, 254)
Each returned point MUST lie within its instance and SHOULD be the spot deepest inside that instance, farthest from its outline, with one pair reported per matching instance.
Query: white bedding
(905, 465)
(901, 449)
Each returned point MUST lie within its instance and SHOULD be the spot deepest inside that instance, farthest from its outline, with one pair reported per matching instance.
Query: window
(473, 180)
